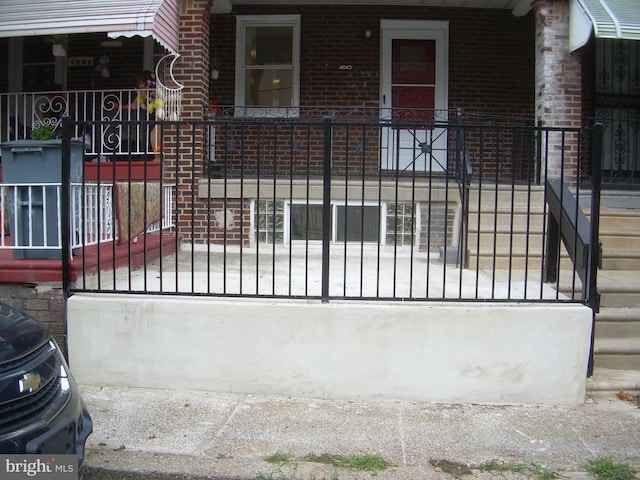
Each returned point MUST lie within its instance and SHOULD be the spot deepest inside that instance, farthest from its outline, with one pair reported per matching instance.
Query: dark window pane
(358, 223)
(306, 222)
(269, 46)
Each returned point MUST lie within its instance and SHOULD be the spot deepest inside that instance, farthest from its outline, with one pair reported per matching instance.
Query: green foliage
(44, 132)
(497, 467)
(367, 462)
(607, 469)
(543, 473)
(279, 458)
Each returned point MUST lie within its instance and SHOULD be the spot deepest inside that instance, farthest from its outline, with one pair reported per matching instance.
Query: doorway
(414, 94)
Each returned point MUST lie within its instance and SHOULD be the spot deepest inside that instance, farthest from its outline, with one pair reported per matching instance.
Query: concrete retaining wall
(453, 353)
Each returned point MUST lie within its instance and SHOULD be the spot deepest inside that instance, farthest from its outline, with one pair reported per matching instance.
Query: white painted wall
(454, 353)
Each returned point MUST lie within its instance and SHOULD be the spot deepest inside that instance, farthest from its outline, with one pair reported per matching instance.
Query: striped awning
(614, 19)
(156, 18)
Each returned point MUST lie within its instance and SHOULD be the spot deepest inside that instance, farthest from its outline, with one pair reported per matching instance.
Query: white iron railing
(21, 113)
(31, 216)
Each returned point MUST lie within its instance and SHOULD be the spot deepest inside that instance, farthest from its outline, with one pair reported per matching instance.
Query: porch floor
(87, 260)
(297, 272)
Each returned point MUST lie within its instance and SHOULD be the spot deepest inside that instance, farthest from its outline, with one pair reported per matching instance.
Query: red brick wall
(491, 62)
(185, 161)
(491, 56)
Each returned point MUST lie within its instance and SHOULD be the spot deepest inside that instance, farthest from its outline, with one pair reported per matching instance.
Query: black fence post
(65, 223)
(593, 297)
(65, 207)
(596, 185)
(326, 207)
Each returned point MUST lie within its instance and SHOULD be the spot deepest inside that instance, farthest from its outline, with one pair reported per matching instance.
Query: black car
(41, 411)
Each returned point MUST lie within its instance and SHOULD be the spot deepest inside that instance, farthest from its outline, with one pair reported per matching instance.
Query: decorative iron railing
(22, 113)
(340, 207)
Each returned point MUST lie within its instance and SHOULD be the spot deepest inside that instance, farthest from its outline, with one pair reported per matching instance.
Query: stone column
(558, 85)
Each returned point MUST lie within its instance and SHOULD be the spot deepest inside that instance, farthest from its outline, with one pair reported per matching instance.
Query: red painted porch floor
(88, 261)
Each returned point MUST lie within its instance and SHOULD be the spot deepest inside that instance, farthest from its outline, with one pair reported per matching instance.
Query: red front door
(413, 91)
(413, 78)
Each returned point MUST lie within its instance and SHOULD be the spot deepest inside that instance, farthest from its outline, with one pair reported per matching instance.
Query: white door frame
(436, 139)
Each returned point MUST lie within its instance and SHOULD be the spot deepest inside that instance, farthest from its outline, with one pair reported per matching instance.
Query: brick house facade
(501, 67)
(491, 78)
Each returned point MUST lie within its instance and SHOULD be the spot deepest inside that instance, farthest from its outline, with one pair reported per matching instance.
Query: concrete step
(620, 239)
(620, 259)
(620, 322)
(613, 219)
(619, 288)
(505, 219)
(504, 240)
(617, 353)
(533, 256)
(506, 195)
(486, 258)
(612, 380)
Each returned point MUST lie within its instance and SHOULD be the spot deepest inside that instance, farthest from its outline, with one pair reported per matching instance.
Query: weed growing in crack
(607, 469)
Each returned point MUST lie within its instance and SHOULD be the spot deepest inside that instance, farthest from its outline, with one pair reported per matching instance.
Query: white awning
(156, 18)
(615, 19)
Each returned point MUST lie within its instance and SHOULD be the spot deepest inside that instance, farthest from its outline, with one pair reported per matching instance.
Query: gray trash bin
(29, 162)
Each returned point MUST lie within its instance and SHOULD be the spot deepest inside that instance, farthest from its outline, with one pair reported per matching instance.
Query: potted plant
(58, 45)
(44, 132)
(213, 67)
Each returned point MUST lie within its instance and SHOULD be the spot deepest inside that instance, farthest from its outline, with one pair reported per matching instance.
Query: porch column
(558, 84)
(194, 48)
(186, 159)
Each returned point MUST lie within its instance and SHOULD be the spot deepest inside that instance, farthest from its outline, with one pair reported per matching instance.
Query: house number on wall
(345, 67)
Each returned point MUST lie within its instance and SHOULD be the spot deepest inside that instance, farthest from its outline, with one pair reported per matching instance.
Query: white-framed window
(267, 65)
(283, 221)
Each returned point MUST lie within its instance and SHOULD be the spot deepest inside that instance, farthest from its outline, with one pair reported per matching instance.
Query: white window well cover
(156, 18)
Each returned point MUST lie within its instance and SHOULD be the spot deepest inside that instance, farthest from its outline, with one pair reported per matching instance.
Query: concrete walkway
(146, 433)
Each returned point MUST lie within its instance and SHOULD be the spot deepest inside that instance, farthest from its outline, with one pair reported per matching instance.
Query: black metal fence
(335, 206)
